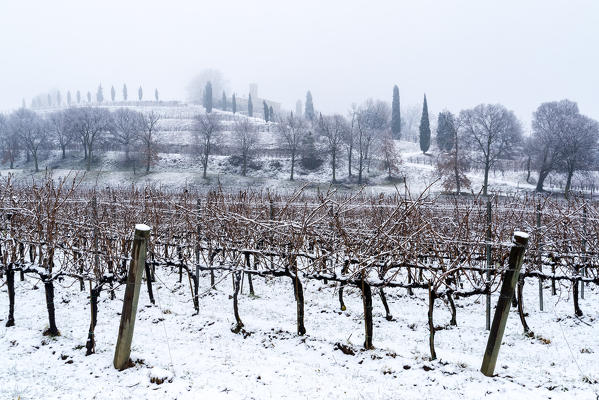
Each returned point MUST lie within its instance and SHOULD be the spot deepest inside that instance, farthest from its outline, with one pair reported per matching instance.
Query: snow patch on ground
(200, 357)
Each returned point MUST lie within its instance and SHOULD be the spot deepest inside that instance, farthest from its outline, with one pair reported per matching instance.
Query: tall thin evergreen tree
(309, 111)
(395, 114)
(266, 111)
(140, 93)
(250, 106)
(445, 131)
(100, 94)
(425, 129)
(156, 94)
(224, 102)
(208, 97)
(271, 113)
(112, 94)
(233, 104)
(125, 92)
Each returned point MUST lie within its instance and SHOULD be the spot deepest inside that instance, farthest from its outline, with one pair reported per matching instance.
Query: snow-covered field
(200, 358)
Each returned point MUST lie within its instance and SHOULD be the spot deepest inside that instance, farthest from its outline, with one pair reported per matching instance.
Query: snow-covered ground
(200, 358)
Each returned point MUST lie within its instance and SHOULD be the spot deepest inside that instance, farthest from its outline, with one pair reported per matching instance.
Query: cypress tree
(309, 154)
(100, 94)
(140, 93)
(112, 93)
(250, 106)
(125, 92)
(224, 101)
(395, 114)
(445, 126)
(233, 104)
(208, 97)
(156, 94)
(309, 110)
(266, 111)
(271, 113)
(425, 129)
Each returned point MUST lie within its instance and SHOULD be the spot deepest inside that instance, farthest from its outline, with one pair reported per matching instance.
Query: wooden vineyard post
(138, 261)
(196, 301)
(539, 256)
(488, 258)
(584, 249)
(510, 279)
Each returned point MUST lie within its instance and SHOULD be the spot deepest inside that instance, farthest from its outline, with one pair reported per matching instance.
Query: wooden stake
(510, 279)
(138, 261)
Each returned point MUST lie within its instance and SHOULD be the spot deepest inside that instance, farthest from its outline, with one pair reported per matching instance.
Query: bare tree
(451, 165)
(579, 149)
(126, 127)
(246, 139)
(60, 130)
(149, 127)
(390, 154)
(551, 121)
(207, 130)
(90, 124)
(371, 122)
(492, 132)
(10, 142)
(334, 128)
(32, 130)
(292, 130)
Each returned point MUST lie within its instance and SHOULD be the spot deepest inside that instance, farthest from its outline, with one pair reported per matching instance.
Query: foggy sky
(461, 53)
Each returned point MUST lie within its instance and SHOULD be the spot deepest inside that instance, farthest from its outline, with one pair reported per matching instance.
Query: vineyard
(445, 249)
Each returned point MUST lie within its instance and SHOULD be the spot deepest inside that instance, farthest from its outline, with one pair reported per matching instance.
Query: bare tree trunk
(89, 159)
(543, 173)
(577, 309)
(236, 280)
(568, 182)
(349, 158)
(453, 321)
(292, 164)
(388, 315)
(431, 326)
(90, 345)
(299, 300)
(49, 288)
(486, 181)
(519, 292)
(367, 301)
(10, 283)
(34, 153)
(333, 164)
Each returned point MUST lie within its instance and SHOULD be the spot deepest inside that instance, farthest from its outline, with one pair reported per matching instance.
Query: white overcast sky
(461, 53)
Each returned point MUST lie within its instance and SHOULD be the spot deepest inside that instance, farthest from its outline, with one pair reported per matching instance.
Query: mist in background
(461, 53)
